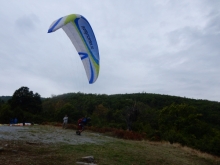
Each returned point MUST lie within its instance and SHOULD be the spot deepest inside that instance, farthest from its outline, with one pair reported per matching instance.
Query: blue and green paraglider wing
(82, 36)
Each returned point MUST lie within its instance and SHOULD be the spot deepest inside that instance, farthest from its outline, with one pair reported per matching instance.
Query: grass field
(108, 152)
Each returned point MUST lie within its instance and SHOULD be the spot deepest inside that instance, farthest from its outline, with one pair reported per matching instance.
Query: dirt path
(49, 134)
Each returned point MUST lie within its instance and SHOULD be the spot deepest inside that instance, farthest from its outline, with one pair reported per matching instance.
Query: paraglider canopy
(82, 36)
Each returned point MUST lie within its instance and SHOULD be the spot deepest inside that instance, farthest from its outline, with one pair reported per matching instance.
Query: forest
(190, 122)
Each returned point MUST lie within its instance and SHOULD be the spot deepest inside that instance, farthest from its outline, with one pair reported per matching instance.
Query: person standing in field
(65, 121)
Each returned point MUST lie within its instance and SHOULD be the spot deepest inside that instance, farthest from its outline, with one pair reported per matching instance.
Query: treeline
(190, 122)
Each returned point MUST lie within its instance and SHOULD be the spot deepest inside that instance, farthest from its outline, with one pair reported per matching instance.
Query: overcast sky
(166, 47)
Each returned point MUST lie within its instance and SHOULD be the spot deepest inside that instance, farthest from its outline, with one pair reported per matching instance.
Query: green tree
(5, 113)
(180, 123)
(72, 113)
(24, 100)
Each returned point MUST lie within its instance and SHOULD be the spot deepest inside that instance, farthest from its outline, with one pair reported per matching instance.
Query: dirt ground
(40, 144)
(48, 134)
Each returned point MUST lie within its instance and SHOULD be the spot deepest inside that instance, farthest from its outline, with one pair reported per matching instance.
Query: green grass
(119, 152)
(137, 153)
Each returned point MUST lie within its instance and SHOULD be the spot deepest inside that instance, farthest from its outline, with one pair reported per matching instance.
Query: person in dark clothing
(11, 122)
(81, 124)
(23, 121)
(15, 121)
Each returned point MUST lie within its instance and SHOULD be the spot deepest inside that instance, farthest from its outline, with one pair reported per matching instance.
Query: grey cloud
(27, 22)
(160, 47)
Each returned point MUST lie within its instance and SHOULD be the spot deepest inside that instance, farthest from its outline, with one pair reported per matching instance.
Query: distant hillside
(189, 122)
(5, 98)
